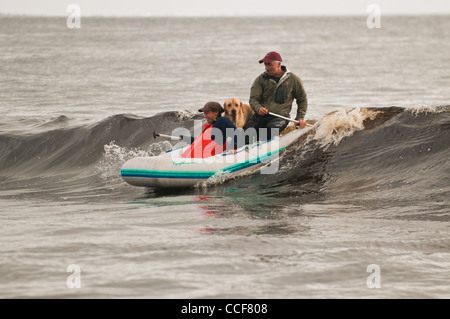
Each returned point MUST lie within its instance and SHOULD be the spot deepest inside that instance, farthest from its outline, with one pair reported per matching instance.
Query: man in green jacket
(274, 91)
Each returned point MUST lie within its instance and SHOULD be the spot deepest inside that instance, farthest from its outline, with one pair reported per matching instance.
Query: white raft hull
(169, 170)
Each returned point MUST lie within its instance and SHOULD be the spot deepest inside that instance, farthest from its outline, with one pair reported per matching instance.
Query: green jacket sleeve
(256, 92)
(301, 99)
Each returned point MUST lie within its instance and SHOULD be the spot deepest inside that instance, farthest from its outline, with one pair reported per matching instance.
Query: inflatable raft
(170, 170)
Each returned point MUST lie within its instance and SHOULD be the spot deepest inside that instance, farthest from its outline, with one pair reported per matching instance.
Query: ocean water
(359, 207)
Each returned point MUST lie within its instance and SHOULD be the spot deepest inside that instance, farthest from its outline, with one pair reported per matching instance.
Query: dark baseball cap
(271, 56)
(212, 106)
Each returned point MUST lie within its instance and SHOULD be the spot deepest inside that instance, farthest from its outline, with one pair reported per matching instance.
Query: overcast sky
(223, 7)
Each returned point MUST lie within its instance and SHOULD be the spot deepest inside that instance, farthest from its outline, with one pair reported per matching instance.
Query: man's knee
(253, 121)
(279, 124)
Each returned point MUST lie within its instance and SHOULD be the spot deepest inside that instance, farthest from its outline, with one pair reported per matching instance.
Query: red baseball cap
(271, 56)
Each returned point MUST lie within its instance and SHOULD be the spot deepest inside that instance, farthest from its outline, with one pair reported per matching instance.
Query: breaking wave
(374, 150)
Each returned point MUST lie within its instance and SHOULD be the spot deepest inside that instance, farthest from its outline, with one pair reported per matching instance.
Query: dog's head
(232, 106)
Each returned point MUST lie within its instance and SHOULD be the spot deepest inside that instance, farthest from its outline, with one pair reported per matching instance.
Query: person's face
(273, 68)
(210, 116)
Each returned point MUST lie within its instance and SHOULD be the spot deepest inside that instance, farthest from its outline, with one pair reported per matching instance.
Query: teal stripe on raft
(194, 174)
(239, 166)
(166, 174)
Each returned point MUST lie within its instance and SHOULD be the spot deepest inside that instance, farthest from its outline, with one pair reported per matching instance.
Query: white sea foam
(115, 156)
(426, 109)
(335, 126)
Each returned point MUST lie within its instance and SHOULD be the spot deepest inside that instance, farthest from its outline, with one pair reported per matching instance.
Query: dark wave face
(56, 147)
(369, 156)
(372, 159)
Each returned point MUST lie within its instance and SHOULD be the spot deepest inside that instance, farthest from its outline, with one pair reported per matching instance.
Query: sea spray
(115, 156)
(333, 127)
(426, 109)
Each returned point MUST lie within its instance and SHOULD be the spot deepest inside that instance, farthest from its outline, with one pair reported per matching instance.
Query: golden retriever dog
(237, 112)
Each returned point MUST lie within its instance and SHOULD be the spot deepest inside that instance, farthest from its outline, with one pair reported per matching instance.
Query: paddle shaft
(175, 138)
(285, 118)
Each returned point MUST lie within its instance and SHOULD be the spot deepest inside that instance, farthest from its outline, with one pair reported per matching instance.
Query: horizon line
(194, 15)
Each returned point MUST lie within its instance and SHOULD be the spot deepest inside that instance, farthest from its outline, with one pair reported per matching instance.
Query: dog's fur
(237, 112)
